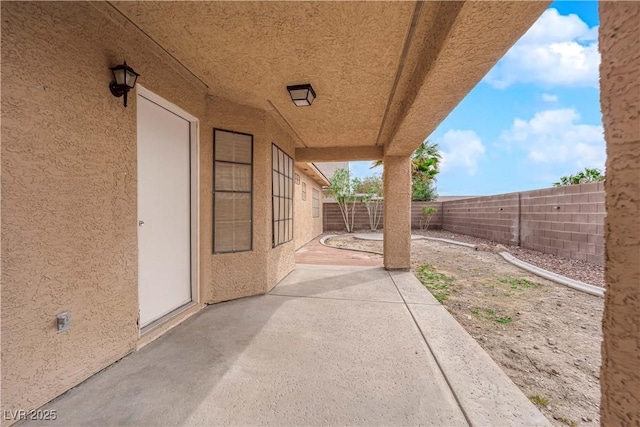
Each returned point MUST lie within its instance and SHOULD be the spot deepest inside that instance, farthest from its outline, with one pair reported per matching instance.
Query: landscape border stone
(554, 277)
(325, 238)
(549, 275)
(453, 242)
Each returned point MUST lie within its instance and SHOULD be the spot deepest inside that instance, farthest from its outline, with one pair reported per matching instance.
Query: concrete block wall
(492, 217)
(416, 214)
(564, 221)
(333, 218)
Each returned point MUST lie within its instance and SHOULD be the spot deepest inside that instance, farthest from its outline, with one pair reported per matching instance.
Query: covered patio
(329, 345)
(212, 117)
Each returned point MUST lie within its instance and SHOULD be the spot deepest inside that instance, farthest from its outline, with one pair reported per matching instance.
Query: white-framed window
(315, 206)
(232, 191)
(304, 191)
(282, 200)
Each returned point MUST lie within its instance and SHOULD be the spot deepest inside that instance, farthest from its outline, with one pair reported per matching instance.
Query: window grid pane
(282, 196)
(232, 191)
(315, 194)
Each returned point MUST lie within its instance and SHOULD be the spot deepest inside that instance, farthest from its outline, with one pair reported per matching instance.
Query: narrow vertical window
(315, 205)
(282, 199)
(232, 191)
(304, 191)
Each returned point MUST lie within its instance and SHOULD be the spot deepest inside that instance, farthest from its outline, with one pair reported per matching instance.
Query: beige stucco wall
(228, 276)
(305, 226)
(280, 260)
(619, 43)
(397, 212)
(69, 203)
(69, 194)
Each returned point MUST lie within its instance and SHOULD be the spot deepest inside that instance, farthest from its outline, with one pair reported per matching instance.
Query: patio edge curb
(325, 238)
(554, 277)
(549, 275)
(453, 242)
(484, 392)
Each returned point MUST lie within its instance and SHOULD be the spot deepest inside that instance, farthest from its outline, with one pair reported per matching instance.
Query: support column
(619, 42)
(397, 213)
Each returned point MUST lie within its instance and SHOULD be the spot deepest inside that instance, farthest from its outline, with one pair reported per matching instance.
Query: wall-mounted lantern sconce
(302, 95)
(124, 79)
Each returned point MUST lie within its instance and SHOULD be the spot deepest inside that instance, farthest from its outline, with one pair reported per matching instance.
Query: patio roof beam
(471, 37)
(336, 154)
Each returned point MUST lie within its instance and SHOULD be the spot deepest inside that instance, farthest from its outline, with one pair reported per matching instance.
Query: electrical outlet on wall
(63, 321)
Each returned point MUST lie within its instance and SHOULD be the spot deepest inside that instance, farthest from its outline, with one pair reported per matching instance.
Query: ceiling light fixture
(302, 95)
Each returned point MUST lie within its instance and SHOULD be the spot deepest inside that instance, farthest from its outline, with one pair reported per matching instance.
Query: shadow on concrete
(167, 381)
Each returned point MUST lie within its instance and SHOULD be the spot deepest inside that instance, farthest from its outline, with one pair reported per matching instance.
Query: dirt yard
(545, 336)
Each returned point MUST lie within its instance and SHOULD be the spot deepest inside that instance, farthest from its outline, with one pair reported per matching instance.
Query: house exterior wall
(69, 183)
(226, 276)
(305, 227)
(619, 40)
(280, 260)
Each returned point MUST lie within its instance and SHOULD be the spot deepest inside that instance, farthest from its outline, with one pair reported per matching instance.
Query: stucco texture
(272, 44)
(384, 72)
(305, 226)
(619, 43)
(235, 275)
(281, 259)
(448, 51)
(69, 194)
(69, 203)
(397, 212)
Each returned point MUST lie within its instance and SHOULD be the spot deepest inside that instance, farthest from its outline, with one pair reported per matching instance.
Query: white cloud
(460, 149)
(547, 97)
(557, 137)
(558, 50)
(553, 27)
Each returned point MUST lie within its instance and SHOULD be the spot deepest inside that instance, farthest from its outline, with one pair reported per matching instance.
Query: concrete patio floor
(329, 345)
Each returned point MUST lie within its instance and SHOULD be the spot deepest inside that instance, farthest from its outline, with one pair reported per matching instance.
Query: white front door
(164, 211)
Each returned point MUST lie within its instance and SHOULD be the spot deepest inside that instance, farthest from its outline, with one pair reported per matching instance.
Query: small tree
(423, 190)
(428, 213)
(582, 177)
(425, 165)
(370, 192)
(343, 189)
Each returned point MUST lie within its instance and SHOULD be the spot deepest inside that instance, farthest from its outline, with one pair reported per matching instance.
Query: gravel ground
(545, 336)
(578, 270)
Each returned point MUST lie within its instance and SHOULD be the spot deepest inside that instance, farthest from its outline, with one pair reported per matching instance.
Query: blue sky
(533, 118)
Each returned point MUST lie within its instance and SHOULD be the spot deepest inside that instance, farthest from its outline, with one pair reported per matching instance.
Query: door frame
(194, 167)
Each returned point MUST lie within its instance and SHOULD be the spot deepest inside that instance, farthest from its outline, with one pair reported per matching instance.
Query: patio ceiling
(383, 71)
